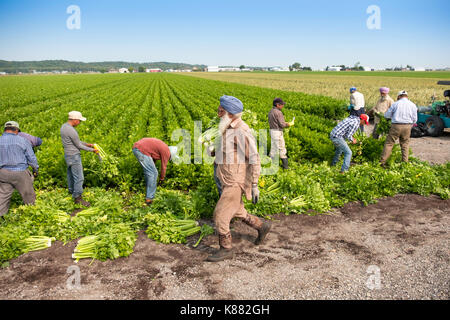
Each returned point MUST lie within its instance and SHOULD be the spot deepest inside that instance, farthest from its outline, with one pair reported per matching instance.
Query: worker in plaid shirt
(345, 130)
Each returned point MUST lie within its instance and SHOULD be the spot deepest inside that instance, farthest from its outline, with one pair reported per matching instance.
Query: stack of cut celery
(35, 243)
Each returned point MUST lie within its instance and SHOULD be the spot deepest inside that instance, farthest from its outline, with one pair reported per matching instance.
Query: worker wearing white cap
(403, 114)
(72, 146)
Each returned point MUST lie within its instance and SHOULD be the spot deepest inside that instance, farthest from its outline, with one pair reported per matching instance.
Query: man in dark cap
(238, 169)
(277, 124)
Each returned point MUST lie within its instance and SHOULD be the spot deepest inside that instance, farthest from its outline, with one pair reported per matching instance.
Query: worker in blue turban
(231, 104)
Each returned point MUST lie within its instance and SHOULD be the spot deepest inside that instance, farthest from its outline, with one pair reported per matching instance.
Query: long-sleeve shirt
(16, 153)
(71, 141)
(157, 150)
(237, 158)
(402, 111)
(346, 128)
(276, 119)
(35, 141)
(357, 100)
(383, 104)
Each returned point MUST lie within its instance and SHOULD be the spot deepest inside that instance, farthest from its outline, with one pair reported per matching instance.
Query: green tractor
(435, 118)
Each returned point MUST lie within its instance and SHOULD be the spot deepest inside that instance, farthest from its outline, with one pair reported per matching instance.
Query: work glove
(35, 173)
(255, 194)
(291, 123)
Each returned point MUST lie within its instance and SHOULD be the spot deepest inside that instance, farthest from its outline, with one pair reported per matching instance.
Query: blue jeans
(217, 181)
(341, 147)
(150, 172)
(75, 177)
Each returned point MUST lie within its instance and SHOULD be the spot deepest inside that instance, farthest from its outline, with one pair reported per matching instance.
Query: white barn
(124, 70)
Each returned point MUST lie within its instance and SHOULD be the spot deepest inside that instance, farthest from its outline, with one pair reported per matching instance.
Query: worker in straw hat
(72, 146)
(238, 169)
(403, 114)
(147, 151)
(16, 155)
(383, 104)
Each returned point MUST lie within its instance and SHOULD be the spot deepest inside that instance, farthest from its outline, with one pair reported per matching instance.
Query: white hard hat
(76, 115)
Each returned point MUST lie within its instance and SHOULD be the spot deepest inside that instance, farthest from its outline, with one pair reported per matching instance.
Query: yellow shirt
(383, 104)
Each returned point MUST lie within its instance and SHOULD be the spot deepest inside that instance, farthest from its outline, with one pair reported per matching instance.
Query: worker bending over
(16, 155)
(147, 151)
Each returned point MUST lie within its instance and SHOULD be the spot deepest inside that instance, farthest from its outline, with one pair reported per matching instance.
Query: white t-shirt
(357, 100)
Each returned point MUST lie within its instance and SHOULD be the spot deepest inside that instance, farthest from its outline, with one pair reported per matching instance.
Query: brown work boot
(262, 233)
(262, 227)
(225, 252)
(253, 221)
(80, 200)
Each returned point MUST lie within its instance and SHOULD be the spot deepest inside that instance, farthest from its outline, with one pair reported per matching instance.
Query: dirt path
(435, 150)
(404, 238)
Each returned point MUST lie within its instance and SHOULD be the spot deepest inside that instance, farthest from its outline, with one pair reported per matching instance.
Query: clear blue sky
(315, 33)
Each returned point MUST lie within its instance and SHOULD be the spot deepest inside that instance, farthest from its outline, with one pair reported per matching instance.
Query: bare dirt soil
(402, 241)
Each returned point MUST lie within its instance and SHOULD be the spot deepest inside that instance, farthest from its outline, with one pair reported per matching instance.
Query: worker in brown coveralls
(238, 169)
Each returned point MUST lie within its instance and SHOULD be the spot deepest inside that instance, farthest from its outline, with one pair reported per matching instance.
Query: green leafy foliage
(113, 241)
(166, 228)
(123, 109)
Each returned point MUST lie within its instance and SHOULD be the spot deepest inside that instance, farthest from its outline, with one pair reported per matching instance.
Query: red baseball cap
(364, 117)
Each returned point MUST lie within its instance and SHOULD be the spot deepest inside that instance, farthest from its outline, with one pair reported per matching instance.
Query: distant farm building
(153, 70)
(124, 70)
(279, 69)
(334, 69)
(213, 69)
(229, 69)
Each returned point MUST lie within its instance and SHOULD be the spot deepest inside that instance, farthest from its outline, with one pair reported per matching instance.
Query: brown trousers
(229, 206)
(401, 132)
(22, 181)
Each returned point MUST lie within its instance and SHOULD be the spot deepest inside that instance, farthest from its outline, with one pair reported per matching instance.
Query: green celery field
(123, 108)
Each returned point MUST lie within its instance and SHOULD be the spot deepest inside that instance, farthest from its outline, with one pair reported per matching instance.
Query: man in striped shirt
(16, 155)
(345, 130)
